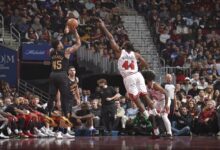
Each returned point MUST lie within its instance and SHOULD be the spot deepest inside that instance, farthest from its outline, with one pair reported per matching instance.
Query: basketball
(72, 23)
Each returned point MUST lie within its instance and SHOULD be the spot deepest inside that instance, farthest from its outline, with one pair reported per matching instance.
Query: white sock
(167, 123)
(9, 131)
(16, 131)
(154, 112)
(68, 129)
(146, 114)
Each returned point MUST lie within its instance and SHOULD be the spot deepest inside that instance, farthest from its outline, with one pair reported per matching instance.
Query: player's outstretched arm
(77, 45)
(114, 45)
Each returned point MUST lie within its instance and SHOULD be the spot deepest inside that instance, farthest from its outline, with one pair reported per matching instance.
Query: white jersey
(127, 63)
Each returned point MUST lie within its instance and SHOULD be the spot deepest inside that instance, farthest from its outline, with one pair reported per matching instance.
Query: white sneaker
(9, 131)
(68, 136)
(218, 134)
(47, 132)
(71, 132)
(91, 128)
(39, 133)
(2, 136)
(50, 133)
(58, 135)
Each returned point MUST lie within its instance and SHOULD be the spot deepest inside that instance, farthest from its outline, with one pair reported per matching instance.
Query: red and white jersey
(127, 63)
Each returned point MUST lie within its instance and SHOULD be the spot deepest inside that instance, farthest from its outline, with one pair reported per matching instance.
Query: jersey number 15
(57, 65)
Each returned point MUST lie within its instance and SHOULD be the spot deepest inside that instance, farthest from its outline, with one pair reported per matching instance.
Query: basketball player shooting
(59, 80)
(128, 68)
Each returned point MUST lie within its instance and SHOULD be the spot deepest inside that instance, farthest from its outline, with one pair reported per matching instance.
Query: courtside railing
(2, 28)
(15, 34)
(24, 87)
(105, 64)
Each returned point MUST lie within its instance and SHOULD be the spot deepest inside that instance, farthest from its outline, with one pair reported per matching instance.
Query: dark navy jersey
(58, 61)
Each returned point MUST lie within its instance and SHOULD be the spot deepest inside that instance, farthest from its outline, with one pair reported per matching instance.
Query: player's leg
(164, 115)
(133, 93)
(167, 123)
(142, 89)
(65, 93)
(52, 94)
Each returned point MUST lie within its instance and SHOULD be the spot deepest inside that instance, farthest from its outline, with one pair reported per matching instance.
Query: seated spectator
(192, 109)
(84, 120)
(36, 26)
(120, 113)
(130, 114)
(216, 96)
(89, 5)
(45, 35)
(96, 111)
(207, 123)
(209, 92)
(183, 122)
(194, 91)
(125, 103)
(200, 100)
(31, 35)
(202, 85)
(186, 86)
(140, 126)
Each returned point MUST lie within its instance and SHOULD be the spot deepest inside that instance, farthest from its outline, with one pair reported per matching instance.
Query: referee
(108, 109)
(58, 79)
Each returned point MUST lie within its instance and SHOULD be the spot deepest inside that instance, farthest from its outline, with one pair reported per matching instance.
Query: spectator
(120, 113)
(45, 35)
(182, 125)
(202, 85)
(84, 120)
(192, 109)
(31, 35)
(208, 120)
(36, 26)
(96, 111)
(194, 91)
(186, 86)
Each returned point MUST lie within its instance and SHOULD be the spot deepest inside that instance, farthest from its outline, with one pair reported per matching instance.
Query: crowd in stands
(186, 31)
(43, 21)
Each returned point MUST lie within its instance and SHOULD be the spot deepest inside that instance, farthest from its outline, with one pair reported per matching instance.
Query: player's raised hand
(66, 30)
(101, 23)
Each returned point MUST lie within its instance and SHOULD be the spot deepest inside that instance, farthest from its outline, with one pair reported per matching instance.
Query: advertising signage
(8, 65)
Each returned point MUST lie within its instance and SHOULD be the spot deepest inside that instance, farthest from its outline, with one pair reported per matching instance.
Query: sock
(154, 112)
(146, 114)
(9, 131)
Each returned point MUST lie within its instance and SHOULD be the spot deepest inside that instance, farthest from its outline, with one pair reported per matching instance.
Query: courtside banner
(8, 65)
(35, 51)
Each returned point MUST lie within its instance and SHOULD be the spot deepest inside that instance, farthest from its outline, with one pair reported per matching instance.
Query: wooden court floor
(112, 143)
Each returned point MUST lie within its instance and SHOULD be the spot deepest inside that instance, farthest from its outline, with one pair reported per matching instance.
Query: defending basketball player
(160, 98)
(128, 68)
